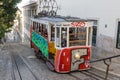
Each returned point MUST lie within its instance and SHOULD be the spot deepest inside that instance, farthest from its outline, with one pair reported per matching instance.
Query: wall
(28, 11)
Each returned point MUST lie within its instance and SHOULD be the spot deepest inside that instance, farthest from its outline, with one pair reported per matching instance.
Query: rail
(107, 62)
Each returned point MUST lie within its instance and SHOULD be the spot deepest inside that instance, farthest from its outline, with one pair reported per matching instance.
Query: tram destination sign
(78, 24)
(75, 24)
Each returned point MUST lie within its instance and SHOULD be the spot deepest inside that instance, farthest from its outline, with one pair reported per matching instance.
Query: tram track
(71, 75)
(20, 70)
(91, 74)
(97, 73)
(102, 74)
(15, 69)
(87, 76)
(18, 60)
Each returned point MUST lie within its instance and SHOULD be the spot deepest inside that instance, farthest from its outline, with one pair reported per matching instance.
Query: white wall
(106, 11)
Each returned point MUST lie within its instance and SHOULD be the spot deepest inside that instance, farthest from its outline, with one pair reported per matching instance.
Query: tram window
(82, 33)
(44, 31)
(71, 32)
(58, 37)
(58, 32)
(39, 28)
(77, 36)
(36, 27)
(63, 37)
(89, 36)
(52, 33)
(33, 25)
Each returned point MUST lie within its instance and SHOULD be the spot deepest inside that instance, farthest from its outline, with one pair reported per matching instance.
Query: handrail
(92, 61)
(107, 62)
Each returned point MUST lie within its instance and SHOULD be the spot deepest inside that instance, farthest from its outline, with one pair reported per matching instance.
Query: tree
(8, 10)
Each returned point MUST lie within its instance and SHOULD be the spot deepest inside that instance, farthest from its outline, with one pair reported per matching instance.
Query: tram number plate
(78, 24)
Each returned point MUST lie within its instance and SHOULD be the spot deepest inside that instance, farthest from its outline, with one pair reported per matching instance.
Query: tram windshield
(77, 36)
(73, 36)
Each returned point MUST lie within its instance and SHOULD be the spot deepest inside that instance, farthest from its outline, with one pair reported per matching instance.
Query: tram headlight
(77, 56)
(79, 52)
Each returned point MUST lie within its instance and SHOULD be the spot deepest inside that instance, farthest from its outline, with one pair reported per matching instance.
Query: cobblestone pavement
(5, 65)
(17, 62)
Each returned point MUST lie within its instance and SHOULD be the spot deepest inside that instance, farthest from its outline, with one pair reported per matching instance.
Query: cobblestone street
(19, 63)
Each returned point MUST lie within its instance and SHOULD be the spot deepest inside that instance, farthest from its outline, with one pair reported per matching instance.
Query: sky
(22, 3)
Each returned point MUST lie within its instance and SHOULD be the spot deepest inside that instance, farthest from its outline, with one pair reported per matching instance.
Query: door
(94, 35)
(118, 36)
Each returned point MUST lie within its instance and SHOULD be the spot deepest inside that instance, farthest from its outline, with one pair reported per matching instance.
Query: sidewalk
(99, 54)
(5, 64)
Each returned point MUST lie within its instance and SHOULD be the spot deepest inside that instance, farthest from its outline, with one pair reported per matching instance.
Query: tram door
(118, 36)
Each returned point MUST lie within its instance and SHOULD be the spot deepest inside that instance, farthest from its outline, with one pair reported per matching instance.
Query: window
(58, 37)
(52, 33)
(77, 36)
(95, 25)
(61, 37)
(43, 30)
(64, 37)
(39, 28)
(33, 25)
(118, 36)
(89, 36)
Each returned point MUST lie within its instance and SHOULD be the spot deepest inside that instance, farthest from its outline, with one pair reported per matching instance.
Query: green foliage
(8, 10)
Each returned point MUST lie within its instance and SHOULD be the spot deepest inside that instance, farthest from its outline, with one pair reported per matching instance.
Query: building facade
(28, 11)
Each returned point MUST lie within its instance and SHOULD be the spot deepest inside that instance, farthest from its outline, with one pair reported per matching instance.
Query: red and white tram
(64, 42)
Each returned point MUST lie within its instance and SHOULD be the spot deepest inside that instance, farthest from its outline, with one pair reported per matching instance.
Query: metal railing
(107, 62)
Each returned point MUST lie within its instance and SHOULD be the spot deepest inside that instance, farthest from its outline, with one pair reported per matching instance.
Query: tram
(63, 42)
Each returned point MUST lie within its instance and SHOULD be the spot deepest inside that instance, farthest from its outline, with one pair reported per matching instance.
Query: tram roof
(53, 19)
(60, 19)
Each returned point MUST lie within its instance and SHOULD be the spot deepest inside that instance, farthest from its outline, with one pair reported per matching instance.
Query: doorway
(118, 36)
(94, 35)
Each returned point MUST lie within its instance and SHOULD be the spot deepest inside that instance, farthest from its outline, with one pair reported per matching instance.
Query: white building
(28, 11)
(104, 13)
